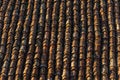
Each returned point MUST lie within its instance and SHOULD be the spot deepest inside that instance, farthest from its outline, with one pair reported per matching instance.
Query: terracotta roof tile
(59, 40)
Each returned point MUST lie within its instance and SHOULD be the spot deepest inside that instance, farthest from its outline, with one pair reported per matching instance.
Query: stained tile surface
(59, 40)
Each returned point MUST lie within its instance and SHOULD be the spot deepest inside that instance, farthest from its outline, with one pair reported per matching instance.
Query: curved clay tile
(68, 39)
(82, 44)
(97, 43)
(39, 40)
(3, 9)
(18, 28)
(60, 41)
(23, 48)
(117, 24)
(75, 40)
(31, 43)
(53, 40)
(4, 45)
(112, 40)
(10, 40)
(90, 40)
(46, 41)
(105, 39)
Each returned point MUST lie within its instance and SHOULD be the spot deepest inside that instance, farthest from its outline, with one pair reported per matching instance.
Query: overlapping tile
(59, 40)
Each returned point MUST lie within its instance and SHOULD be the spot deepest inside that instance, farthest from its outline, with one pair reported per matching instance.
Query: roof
(59, 40)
